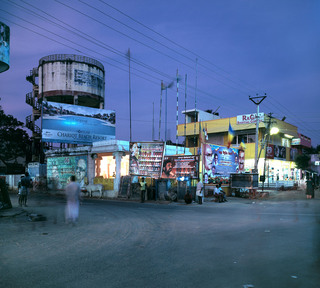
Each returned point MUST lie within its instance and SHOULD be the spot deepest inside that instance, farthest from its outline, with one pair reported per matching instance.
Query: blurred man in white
(199, 191)
(73, 201)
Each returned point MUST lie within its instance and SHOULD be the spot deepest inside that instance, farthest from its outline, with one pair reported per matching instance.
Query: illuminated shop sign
(296, 141)
(65, 123)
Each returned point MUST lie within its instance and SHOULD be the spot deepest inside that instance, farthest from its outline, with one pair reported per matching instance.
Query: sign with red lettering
(249, 118)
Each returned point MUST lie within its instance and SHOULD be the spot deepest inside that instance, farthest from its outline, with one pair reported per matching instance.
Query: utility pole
(195, 108)
(257, 100)
(266, 150)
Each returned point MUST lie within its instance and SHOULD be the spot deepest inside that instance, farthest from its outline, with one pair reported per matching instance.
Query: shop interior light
(288, 136)
(274, 130)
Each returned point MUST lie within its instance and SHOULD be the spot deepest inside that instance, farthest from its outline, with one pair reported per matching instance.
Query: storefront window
(285, 142)
(251, 138)
(108, 166)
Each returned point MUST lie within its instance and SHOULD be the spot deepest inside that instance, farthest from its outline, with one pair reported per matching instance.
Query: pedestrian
(20, 192)
(73, 201)
(199, 191)
(26, 183)
(309, 188)
(143, 187)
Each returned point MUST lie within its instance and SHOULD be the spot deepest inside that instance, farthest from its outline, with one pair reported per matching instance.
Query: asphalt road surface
(241, 243)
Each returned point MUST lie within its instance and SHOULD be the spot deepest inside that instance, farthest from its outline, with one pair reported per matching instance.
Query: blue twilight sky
(242, 48)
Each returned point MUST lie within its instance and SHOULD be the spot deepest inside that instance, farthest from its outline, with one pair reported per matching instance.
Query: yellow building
(278, 163)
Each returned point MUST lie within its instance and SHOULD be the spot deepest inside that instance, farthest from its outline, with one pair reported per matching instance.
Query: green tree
(14, 141)
(302, 161)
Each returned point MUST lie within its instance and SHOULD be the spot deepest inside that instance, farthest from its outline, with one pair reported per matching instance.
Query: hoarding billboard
(146, 158)
(180, 166)
(4, 47)
(66, 123)
(221, 161)
(276, 152)
(59, 170)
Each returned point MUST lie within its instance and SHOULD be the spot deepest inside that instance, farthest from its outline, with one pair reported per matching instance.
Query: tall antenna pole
(152, 121)
(177, 118)
(160, 110)
(185, 114)
(166, 117)
(130, 95)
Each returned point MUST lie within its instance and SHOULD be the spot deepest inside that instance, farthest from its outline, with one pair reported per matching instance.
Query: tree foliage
(14, 141)
(302, 161)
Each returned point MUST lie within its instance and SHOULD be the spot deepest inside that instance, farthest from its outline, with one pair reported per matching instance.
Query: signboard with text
(66, 123)
(221, 161)
(180, 166)
(146, 158)
(249, 118)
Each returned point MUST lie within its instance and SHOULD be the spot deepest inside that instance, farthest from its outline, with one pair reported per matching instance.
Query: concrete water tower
(64, 78)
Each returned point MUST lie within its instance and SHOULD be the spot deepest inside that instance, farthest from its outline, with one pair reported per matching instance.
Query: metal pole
(177, 118)
(185, 115)
(152, 121)
(260, 99)
(160, 109)
(166, 115)
(195, 108)
(257, 141)
(130, 95)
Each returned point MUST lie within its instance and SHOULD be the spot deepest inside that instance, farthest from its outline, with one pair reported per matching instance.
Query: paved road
(263, 243)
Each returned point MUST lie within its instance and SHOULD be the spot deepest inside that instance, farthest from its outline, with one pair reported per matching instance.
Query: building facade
(276, 152)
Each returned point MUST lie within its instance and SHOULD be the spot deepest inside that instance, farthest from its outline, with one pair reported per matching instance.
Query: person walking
(199, 191)
(20, 197)
(143, 187)
(26, 183)
(309, 188)
(73, 201)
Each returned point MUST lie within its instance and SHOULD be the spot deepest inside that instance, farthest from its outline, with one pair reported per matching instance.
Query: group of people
(218, 193)
(24, 185)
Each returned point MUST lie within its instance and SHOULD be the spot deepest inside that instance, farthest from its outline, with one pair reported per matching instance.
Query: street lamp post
(257, 100)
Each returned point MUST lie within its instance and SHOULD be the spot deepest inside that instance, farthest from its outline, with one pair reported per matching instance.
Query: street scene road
(272, 242)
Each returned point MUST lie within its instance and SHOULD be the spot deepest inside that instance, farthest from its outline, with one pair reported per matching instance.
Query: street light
(272, 131)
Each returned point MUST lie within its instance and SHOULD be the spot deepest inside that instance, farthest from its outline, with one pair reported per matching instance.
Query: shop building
(276, 152)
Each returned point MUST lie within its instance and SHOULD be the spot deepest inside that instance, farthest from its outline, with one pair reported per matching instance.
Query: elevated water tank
(72, 79)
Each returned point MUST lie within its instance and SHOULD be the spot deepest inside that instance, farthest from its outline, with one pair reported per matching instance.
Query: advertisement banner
(293, 153)
(279, 152)
(4, 47)
(180, 166)
(146, 158)
(59, 170)
(270, 151)
(221, 161)
(66, 123)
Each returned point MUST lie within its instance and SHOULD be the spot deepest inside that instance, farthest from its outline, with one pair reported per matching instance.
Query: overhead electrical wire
(109, 48)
